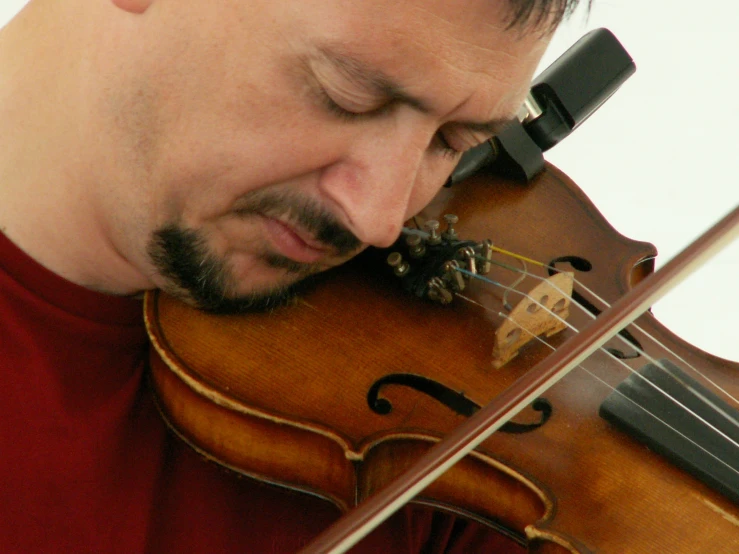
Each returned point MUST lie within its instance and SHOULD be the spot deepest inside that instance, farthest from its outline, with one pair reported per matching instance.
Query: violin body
(283, 396)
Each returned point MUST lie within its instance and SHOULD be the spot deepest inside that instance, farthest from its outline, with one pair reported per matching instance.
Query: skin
(224, 125)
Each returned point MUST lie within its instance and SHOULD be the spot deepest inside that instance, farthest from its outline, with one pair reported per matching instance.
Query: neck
(51, 167)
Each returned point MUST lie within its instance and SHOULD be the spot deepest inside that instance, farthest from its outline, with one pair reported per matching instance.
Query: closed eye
(439, 144)
(353, 114)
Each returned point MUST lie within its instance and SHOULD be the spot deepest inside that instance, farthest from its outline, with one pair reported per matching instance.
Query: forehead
(457, 50)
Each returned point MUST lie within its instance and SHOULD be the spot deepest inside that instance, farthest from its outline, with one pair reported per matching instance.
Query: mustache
(302, 212)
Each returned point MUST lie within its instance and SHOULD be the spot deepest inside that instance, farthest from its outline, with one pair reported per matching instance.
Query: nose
(380, 183)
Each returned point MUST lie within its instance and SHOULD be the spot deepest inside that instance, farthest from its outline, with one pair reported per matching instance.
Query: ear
(133, 6)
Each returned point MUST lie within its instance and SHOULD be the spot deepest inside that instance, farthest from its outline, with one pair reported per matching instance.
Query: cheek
(232, 153)
(230, 127)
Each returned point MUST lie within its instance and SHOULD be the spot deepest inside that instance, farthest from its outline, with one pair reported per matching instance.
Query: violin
(341, 391)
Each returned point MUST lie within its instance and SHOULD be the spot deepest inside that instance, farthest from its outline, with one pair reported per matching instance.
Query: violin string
(698, 395)
(658, 363)
(587, 313)
(656, 341)
(593, 294)
(701, 397)
(523, 273)
(613, 389)
(618, 361)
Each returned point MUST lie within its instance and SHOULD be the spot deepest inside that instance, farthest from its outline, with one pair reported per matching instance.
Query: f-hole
(583, 265)
(455, 401)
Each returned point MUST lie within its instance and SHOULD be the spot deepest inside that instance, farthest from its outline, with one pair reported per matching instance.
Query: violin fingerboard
(680, 419)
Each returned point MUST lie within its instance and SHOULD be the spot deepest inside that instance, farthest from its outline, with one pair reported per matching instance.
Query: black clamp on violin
(561, 98)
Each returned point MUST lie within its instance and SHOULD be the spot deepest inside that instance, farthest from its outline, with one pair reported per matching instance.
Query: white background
(658, 158)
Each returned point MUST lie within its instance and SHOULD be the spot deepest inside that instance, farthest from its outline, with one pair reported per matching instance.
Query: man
(220, 151)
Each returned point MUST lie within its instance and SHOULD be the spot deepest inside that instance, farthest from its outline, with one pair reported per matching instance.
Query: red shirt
(86, 464)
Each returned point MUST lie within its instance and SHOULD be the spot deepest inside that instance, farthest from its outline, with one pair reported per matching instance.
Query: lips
(292, 243)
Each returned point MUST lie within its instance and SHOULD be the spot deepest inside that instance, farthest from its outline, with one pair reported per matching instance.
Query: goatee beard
(194, 273)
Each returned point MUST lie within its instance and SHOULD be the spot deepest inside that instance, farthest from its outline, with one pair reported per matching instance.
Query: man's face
(280, 137)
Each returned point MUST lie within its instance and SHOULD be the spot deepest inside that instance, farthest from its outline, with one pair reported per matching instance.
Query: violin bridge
(541, 312)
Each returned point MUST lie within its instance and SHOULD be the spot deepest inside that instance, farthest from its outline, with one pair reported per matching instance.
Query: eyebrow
(369, 77)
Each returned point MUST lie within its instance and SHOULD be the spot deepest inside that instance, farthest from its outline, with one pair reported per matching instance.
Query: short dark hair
(540, 14)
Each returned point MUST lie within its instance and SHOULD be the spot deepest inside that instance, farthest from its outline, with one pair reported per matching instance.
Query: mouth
(293, 243)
